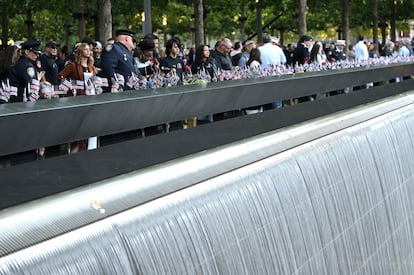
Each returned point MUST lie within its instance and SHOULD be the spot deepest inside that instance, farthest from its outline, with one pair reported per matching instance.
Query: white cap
(98, 44)
(274, 39)
(340, 42)
(18, 44)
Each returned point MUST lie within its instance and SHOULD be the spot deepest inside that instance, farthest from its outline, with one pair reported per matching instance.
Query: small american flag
(99, 81)
(33, 96)
(65, 85)
(8, 90)
(89, 87)
(120, 79)
(34, 86)
(4, 97)
(105, 82)
(141, 84)
(132, 80)
(98, 90)
(96, 80)
(13, 90)
(115, 88)
(58, 91)
(78, 85)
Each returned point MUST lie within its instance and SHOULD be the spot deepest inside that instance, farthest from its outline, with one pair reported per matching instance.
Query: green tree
(104, 17)
(199, 22)
(302, 10)
(59, 20)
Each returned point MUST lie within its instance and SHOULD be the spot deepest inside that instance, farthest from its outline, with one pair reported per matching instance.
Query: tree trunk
(345, 21)
(81, 19)
(29, 22)
(392, 21)
(282, 36)
(383, 32)
(259, 29)
(147, 27)
(243, 23)
(302, 8)
(104, 19)
(67, 26)
(198, 22)
(5, 24)
(375, 21)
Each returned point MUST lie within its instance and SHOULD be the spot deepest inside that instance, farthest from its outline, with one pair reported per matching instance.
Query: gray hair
(226, 42)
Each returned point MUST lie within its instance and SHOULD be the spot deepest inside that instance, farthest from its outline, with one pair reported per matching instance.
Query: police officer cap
(340, 42)
(306, 37)
(52, 44)
(125, 32)
(32, 45)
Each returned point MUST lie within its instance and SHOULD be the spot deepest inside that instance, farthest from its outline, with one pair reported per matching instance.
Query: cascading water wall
(339, 204)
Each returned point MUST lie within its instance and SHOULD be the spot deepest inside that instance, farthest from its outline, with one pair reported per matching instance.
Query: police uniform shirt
(51, 68)
(338, 55)
(168, 63)
(21, 75)
(116, 58)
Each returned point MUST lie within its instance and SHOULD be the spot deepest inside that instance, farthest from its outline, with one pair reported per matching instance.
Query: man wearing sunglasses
(48, 61)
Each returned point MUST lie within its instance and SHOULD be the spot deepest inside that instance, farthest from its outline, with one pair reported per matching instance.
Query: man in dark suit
(301, 54)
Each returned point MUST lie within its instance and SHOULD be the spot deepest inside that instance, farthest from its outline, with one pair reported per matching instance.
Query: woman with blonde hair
(81, 69)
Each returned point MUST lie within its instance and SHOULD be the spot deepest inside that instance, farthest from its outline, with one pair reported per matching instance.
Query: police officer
(338, 54)
(117, 57)
(26, 69)
(22, 76)
(48, 60)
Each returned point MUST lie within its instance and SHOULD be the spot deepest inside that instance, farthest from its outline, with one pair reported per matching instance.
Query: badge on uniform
(31, 72)
(108, 47)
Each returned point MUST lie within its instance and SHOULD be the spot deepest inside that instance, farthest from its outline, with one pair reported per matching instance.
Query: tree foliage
(222, 18)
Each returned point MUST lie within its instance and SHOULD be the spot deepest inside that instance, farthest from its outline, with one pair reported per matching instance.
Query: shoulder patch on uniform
(108, 47)
(31, 72)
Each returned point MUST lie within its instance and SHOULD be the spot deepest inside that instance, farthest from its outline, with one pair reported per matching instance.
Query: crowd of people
(28, 74)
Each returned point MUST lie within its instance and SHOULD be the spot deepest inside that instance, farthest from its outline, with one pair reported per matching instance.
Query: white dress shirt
(361, 51)
(271, 55)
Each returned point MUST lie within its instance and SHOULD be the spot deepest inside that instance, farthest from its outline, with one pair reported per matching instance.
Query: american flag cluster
(35, 89)
(153, 81)
(6, 90)
(245, 72)
(94, 85)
